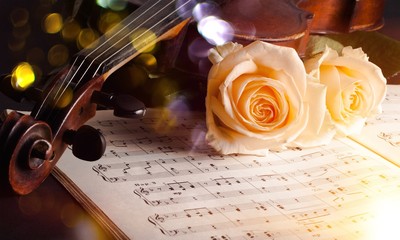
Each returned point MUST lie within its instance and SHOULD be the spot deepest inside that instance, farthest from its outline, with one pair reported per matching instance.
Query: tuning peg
(124, 105)
(87, 143)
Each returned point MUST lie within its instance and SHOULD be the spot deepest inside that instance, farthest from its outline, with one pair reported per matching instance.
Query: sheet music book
(159, 180)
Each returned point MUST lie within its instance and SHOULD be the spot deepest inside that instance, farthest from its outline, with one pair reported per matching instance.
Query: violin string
(127, 45)
(121, 40)
(150, 30)
(65, 83)
(107, 40)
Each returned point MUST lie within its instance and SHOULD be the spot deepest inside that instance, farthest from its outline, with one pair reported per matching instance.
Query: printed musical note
(391, 137)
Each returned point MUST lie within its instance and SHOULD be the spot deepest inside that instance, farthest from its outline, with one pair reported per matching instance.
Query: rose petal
(218, 53)
(320, 129)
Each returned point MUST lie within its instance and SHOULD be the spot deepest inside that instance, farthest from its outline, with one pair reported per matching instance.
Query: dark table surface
(51, 212)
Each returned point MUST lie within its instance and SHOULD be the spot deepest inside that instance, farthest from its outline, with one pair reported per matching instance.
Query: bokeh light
(161, 91)
(65, 99)
(216, 31)
(22, 76)
(15, 44)
(147, 60)
(102, 3)
(108, 20)
(19, 17)
(143, 40)
(185, 8)
(71, 215)
(58, 55)
(166, 122)
(205, 9)
(21, 29)
(116, 5)
(86, 37)
(137, 76)
(53, 23)
(71, 30)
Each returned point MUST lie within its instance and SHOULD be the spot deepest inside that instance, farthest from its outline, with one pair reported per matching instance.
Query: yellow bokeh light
(22, 76)
(65, 99)
(53, 23)
(19, 17)
(144, 40)
(86, 37)
(58, 55)
(71, 215)
(15, 44)
(167, 121)
(149, 61)
(108, 20)
(70, 30)
(137, 76)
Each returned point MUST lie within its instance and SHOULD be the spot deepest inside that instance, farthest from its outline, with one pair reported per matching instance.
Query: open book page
(159, 180)
(382, 134)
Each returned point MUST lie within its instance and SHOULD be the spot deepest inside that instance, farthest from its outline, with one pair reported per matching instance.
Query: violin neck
(151, 22)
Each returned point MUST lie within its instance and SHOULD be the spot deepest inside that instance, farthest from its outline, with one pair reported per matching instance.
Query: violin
(31, 145)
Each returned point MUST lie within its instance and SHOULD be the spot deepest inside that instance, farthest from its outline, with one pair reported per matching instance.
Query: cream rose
(257, 99)
(355, 86)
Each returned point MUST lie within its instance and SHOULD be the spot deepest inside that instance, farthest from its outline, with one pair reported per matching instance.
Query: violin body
(31, 145)
(279, 22)
(341, 16)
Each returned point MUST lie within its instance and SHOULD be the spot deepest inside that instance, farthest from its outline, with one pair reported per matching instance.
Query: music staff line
(189, 165)
(276, 182)
(337, 194)
(255, 213)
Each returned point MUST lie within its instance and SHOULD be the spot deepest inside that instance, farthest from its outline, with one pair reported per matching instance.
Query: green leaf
(317, 44)
(382, 50)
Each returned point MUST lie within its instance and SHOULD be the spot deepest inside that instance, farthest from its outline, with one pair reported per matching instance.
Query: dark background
(50, 212)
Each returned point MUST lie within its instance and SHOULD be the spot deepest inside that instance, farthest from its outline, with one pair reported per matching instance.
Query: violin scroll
(27, 144)
(31, 145)
(32, 151)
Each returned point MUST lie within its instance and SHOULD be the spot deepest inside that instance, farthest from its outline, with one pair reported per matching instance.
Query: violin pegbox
(27, 153)
(26, 144)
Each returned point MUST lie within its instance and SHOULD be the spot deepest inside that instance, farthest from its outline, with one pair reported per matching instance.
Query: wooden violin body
(30, 145)
(341, 16)
(279, 22)
(288, 21)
